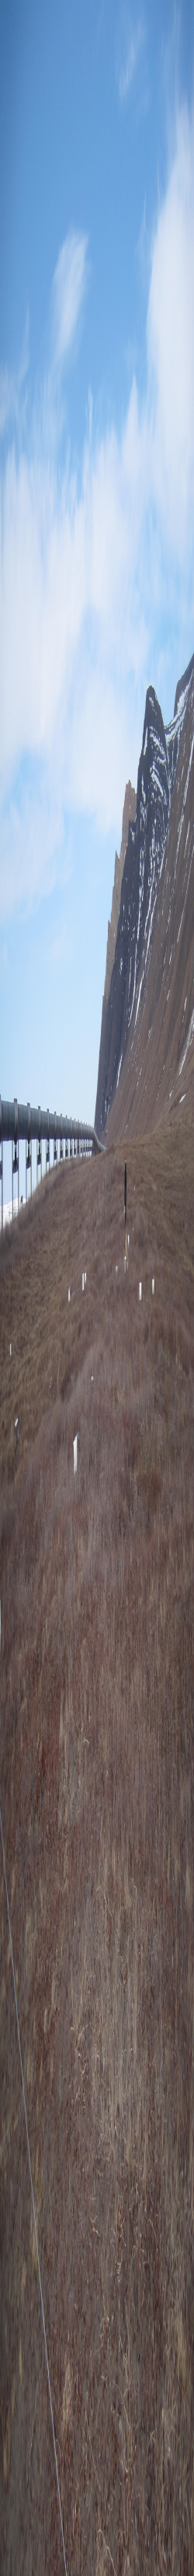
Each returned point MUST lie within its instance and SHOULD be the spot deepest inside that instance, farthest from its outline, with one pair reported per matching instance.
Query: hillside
(149, 1020)
(129, 811)
(96, 1723)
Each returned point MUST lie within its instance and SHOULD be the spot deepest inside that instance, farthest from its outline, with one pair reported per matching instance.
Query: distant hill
(147, 1032)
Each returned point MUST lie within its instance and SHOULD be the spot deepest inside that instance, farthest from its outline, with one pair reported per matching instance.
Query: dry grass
(97, 1810)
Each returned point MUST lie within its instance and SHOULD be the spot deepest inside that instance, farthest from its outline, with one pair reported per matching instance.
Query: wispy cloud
(88, 574)
(134, 42)
(12, 385)
(143, 252)
(69, 288)
(170, 343)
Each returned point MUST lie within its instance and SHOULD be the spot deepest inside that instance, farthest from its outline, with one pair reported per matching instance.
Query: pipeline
(21, 1124)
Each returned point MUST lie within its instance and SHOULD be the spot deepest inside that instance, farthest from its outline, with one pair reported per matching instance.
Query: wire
(34, 2214)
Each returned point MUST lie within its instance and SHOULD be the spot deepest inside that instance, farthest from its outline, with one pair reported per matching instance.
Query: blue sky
(97, 487)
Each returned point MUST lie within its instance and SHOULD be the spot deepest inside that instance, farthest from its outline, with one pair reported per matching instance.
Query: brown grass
(97, 1611)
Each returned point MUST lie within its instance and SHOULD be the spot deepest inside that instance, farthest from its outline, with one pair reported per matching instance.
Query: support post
(29, 1153)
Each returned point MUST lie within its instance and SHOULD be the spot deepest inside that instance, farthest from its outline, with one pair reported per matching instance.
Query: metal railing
(25, 1125)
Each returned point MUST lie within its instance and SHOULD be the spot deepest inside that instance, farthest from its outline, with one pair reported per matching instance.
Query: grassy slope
(96, 1582)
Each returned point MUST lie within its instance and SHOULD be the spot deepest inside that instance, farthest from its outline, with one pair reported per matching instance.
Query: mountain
(148, 1001)
(129, 811)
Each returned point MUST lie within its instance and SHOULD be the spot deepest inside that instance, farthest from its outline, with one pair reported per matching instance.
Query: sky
(96, 488)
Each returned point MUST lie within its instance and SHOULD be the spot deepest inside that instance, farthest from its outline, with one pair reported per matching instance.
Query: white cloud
(31, 836)
(133, 49)
(69, 288)
(11, 388)
(86, 577)
(170, 334)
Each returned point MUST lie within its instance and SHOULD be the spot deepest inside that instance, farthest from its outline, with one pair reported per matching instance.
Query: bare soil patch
(97, 1795)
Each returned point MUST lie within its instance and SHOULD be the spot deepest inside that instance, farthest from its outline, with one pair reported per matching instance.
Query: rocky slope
(129, 811)
(157, 886)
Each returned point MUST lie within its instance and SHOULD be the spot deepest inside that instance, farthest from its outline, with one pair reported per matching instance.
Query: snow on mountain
(157, 832)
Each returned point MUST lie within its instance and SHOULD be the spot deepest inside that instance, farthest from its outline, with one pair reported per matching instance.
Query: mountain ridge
(163, 763)
(129, 812)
